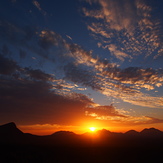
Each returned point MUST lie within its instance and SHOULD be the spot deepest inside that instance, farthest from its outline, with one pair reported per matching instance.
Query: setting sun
(92, 129)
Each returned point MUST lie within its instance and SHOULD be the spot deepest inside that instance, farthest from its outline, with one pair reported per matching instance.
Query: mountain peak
(10, 128)
(9, 125)
(151, 131)
(104, 131)
(132, 132)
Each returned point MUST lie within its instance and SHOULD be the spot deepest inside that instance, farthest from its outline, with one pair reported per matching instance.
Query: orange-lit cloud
(90, 71)
(51, 84)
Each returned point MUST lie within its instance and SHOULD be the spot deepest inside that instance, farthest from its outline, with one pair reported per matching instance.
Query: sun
(92, 129)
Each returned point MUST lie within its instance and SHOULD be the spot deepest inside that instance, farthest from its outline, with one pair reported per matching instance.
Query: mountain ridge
(64, 146)
(9, 133)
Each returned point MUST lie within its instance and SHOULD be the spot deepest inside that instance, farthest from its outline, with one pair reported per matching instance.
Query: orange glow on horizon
(85, 126)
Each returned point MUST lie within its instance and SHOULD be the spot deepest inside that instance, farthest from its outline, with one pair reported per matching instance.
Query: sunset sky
(75, 64)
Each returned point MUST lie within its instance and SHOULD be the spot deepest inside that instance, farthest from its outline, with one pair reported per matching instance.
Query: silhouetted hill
(132, 133)
(9, 133)
(10, 128)
(151, 132)
(64, 146)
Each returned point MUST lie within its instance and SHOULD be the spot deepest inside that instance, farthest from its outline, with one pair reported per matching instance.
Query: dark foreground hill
(65, 146)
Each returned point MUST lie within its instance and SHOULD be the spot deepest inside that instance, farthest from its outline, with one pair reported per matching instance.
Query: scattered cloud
(45, 78)
(126, 23)
(37, 4)
(36, 95)
(102, 111)
(107, 77)
(38, 74)
(119, 54)
(49, 38)
(81, 76)
(69, 37)
(82, 67)
(111, 114)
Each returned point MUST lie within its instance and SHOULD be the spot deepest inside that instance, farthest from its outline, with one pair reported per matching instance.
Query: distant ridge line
(12, 125)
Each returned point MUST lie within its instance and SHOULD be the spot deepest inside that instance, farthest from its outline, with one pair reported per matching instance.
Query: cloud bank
(124, 28)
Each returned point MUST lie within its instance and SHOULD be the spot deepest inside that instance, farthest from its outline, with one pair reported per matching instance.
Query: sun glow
(92, 129)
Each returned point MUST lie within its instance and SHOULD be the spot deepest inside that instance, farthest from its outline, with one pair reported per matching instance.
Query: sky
(71, 65)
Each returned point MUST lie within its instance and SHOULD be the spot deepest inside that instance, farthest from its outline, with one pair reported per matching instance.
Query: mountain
(9, 133)
(132, 133)
(151, 132)
(64, 146)
(10, 128)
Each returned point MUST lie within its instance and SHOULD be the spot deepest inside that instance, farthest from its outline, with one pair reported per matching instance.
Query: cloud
(137, 77)
(81, 76)
(49, 38)
(82, 67)
(38, 74)
(120, 14)
(112, 115)
(154, 120)
(31, 95)
(107, 77)
(63, 86)
(37, 102)
(102, 111)
(7, 66)
(145, 100)
(80, 55)
(69, 37)
(28, 40)
(37, 4)
(119, 54)
(130, 23)
(140, 120)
